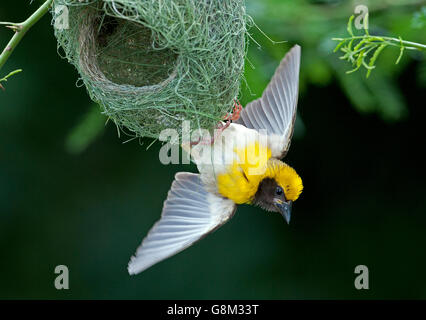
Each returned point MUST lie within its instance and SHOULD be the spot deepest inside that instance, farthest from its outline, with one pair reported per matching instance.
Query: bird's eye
(279, 191)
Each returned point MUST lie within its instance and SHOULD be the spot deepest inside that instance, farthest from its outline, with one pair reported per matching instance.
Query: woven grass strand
(152, 63)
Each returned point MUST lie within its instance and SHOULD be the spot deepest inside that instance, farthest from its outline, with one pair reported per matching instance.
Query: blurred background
(72, 193)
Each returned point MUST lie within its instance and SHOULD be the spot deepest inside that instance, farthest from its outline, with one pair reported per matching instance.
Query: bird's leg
(233, 116)
(217, 132)
(219, 129)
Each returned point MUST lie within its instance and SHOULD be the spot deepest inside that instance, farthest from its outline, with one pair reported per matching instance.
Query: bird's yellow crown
(241, 181)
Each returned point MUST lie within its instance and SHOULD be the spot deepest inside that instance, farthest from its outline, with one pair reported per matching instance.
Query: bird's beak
(284, 208)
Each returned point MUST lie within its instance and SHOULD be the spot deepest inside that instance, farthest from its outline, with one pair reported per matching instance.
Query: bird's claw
(233, 116)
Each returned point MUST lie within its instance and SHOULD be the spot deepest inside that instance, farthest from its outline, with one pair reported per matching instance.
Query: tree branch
(391, 41)
(6, 77)
(20, 30)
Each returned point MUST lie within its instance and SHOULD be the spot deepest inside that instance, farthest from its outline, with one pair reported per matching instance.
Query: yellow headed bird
(242, 166)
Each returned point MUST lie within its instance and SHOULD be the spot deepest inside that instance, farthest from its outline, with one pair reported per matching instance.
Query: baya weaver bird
(246, 169)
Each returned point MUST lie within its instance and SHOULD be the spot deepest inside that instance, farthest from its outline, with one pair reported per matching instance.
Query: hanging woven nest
(152, 63)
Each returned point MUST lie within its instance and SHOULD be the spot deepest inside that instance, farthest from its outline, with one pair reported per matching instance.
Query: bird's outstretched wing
(189, 213)
(275, 111)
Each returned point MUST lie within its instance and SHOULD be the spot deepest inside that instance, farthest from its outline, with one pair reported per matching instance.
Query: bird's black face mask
(270, 196)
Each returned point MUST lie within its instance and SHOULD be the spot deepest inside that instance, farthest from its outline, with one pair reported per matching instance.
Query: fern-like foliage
(364, 50)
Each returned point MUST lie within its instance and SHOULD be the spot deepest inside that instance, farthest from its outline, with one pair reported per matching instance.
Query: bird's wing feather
(189, 213)
(275, 111)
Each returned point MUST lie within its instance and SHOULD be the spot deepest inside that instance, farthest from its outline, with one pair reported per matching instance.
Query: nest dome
(150, 64)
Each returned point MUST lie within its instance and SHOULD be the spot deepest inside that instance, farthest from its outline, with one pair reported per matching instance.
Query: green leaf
(356, 48)
(360, 58)
(339, 45)
(401, 51)
(357, 92)
(389, 100)
(366, 24)
(10, 74)
(86, 131)
(349, 28)
(374, 58)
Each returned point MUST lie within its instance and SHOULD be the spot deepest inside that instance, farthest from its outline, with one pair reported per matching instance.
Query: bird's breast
(234, 164)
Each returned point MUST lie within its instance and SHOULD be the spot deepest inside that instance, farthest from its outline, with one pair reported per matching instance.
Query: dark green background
(358, 149)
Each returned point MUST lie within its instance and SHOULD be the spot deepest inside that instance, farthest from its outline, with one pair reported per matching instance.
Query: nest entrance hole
(126, 56)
